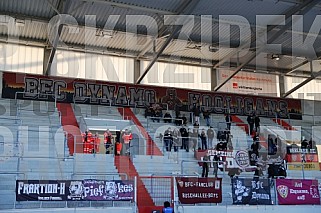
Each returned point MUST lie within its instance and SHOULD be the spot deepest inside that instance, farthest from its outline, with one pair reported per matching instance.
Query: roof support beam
(188, 9)
(288, 15)
(313, 76)
(61, 8)
(301, 9)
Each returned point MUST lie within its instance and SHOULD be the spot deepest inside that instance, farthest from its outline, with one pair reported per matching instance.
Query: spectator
(177, 112)
(194, 138)
(215, 165)
(196, 112)
(311, 144)
(127, 137)
(250, 121)
(157, 110)
(257, 123)
(118, 144)
(228, 119)
(203, 138)
(167, 118)
(205, 166)
(176, 139)
(148, 111)
(167, 208)
(184, 134)
(207, 117)
(210, 137)
(271, 146)
(87, 141)
(256, 136)
(304, 144)
(255, 147)
(108, 141)
(196, 125)
(234, 171)
(184, 119)
(221, 146)
(258, 171)
(221, 136)
(168, 139)
(229, 141)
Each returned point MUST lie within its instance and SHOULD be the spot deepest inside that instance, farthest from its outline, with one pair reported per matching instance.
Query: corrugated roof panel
(118, 41)
(245, 8)
(166, 5)
(39, 8)
(31, 29)
(179, 48)
(103, 11)
(285, 62)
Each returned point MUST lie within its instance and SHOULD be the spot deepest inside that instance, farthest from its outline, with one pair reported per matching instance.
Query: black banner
(251, 191)
(74, 190)
(42, 190)
(47, 88)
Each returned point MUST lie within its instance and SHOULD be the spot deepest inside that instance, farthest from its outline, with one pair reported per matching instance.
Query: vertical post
(174, 193)
(135, 183)
(302, 165)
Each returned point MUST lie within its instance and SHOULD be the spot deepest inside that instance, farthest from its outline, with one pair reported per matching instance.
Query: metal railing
(102, 174)
(17, 93)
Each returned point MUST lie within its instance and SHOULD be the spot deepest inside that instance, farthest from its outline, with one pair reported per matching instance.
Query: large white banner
(249, 83)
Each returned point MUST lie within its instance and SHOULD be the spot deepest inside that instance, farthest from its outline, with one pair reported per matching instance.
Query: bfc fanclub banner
(251, 191)
(199, 190)
(74, 190)
(49, 88)
(296, 192)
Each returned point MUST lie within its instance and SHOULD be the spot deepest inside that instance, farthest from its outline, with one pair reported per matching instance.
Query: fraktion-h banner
(297, 192)
(251, 191)
(74, 190)
(199, 190)
(48, 88)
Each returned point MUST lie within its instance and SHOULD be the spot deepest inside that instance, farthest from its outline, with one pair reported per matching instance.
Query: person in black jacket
(210, 137)
(168, 139)
(228, 119)
(205, 166)
(250, 121)
(184, 134)
(203, 139)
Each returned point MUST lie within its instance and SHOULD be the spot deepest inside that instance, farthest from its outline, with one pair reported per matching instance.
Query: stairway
(70, 126)
(241, 122)
(144, 200)
(284, 124)
(151, 148)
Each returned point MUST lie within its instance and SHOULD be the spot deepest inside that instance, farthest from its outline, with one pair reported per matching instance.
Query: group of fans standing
(114, 144)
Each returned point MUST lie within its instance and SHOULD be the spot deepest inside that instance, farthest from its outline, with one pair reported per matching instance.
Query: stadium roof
(213, 33)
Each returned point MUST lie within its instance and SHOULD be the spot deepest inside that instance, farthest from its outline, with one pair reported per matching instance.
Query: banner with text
(296, 192)
(48, 88)
(74, 190)
(199, 190)
(248, 83)
(251, 191)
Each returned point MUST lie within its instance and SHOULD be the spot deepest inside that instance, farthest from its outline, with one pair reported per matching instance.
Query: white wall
(177, 75)
(21, 58)
(92, 66)
(249, 83)
(310, 91)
